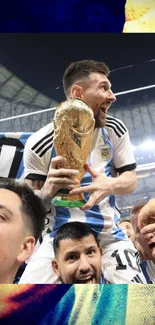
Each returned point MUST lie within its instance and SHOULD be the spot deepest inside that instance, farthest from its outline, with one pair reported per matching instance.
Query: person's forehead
(9, 200)
(126, 223)
(99, 77)
(70, 244)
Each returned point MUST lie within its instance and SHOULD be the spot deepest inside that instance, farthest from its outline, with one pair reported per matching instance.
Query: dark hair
(31, 205)
(134, 213)
(136, 208)
(79, 70)
(72, 230)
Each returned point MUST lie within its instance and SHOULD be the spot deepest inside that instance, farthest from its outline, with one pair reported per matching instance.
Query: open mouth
(103, 108)
(103, 112)
(84, 280)
(152, 245)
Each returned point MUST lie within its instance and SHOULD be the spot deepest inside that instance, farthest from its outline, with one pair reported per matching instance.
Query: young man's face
(78, 260)
(146, 242)
(129, 229)
(97, 93)
(12, 233)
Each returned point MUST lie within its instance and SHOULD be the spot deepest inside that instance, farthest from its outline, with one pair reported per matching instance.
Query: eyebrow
(71, 252)
(75, 252)
(106, 83)
(92, 247)
(4, 207)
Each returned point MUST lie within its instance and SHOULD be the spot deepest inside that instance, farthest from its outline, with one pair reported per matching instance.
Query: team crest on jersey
(105, 152)
(102, 153)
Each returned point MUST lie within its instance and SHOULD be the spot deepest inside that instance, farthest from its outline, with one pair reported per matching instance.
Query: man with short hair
(78, 256)
(143, 223)
(111, 155)
(22, 218)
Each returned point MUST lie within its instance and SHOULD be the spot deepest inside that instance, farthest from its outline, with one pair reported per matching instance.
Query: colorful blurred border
(77, 304)
(85, 304)
(140, 16)
(78, 16)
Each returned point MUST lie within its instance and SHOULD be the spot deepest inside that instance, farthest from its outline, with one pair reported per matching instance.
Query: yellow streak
(140, 304)
(140, 16)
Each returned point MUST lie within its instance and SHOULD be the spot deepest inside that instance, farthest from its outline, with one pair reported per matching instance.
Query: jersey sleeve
(37, 154)
(123, 155)
(124, 159)
(34, 166)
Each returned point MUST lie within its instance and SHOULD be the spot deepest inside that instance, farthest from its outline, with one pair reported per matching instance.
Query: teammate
(78, 256)
(110, 171)
(143, 222)
(22, 218)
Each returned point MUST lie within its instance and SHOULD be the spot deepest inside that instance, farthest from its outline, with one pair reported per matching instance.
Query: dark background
(62, 16)
(40, 59)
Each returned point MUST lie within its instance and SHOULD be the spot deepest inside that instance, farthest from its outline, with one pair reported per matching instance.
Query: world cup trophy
(73, 131)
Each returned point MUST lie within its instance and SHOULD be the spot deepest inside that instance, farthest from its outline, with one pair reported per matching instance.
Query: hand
(59, 178)
(99, 189)
(148, 229)
(146, 214)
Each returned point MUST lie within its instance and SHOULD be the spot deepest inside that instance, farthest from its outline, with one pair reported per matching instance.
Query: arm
(37, 187)
(124, 183)
(45, 180)
(34, 184)
(103, 186)
(56, 179)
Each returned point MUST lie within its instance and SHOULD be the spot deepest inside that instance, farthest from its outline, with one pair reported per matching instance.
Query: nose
(84, 266)
(111, 96)
(149, 236)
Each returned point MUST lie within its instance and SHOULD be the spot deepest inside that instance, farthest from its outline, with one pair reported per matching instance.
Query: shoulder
(115, 127)
(42, 139)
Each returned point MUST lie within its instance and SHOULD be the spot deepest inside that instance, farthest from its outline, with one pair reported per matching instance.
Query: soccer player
(109, 172)
(78, 257)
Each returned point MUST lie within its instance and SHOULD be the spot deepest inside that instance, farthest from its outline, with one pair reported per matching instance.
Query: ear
(27, 249)
(76, 92)
(100, 249)
(55, 267)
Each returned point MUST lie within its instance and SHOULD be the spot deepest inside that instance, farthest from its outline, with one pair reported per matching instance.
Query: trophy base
(64, 199)
(68, 204)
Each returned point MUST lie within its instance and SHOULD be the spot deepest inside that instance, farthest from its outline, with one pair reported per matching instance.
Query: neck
(8, 278)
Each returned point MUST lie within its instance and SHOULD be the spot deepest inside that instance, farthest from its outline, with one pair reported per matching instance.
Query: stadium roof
(40, 59)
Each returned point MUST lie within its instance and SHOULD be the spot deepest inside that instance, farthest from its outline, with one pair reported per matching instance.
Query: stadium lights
(133, 147)
(147, 145)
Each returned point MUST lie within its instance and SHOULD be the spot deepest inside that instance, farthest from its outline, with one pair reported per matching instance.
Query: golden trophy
(73, 131)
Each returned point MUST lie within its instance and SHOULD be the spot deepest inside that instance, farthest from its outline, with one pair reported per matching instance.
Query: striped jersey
(11, 153)
(148, 268)
(110, 153)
